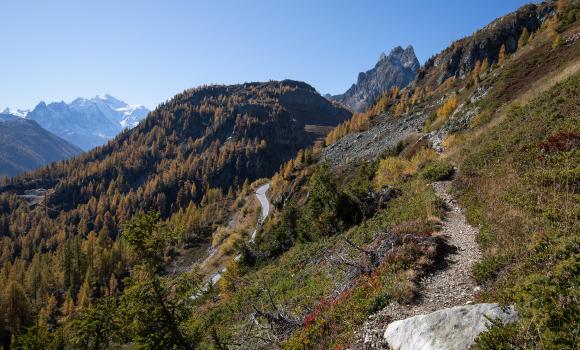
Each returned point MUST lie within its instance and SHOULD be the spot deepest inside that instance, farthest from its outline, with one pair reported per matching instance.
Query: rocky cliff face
(399, 68)
(460, 58)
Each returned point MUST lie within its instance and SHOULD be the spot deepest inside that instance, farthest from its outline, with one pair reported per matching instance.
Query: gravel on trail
(451, 286)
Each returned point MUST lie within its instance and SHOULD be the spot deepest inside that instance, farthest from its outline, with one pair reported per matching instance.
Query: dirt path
(451, 286)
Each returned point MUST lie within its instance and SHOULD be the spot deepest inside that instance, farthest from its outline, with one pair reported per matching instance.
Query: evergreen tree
(98, 326)
(16, 308)
(320, 215)
(155, 307)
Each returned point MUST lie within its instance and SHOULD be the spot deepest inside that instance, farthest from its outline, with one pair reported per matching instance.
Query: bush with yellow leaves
(395, 170)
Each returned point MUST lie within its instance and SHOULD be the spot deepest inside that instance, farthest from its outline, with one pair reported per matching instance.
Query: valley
(431, 206)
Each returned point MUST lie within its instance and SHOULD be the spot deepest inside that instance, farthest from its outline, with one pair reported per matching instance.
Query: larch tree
(524, 37)
(15, 307)
(502, 54)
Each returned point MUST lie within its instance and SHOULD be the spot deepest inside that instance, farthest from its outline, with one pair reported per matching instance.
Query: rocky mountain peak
(398, 68)
(88, 122)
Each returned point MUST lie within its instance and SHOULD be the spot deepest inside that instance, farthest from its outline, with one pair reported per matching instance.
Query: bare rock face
(449, 329)
(399, 68)
(460, 58)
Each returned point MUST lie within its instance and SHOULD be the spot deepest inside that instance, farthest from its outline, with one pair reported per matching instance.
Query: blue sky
(144, 52)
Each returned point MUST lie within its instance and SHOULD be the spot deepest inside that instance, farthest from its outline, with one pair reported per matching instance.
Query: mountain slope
(461, 57)
(397, 69)
(314, 277)
(87, 123)
(24, 146)
(186, 160)
(210, 137)
(214, 136)
(351, 235)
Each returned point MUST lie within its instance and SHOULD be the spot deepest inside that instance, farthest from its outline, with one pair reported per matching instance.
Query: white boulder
(449, 329)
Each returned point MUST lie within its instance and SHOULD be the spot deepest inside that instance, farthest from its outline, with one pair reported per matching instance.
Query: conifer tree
(557, 42)
(484, 66)
(320, 215)
(561, 6)
(15, 307)
(154, 306)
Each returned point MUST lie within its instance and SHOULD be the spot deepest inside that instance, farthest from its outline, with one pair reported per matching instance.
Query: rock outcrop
(399, 68)
(453, 328)
(460, 58)
(370, 144)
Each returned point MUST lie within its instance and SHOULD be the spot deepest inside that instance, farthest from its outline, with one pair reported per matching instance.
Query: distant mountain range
(24, 146)
(209, 137)
(86, 123)
(398, 69)
(16, 113)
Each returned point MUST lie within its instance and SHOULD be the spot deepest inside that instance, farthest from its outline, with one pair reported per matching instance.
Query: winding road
(265, 211)
(264, 204)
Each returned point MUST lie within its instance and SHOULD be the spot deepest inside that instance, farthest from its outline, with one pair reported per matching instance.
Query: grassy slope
(520, 182)
(308, 287)
(524, 199)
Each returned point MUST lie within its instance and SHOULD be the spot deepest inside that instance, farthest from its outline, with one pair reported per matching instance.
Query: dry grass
(497, 117)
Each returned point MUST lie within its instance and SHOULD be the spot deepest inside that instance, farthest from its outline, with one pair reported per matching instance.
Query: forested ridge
(494, 116)
(187, 161)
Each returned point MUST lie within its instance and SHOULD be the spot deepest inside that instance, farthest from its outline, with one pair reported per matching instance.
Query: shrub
(394, 151)
(429, 121)
(488, 268)
(423, 157)
(480, 119)
(220, 235)
(435, 120)
(393, 170)
(439, 170)
(380, 302)
(229, 245)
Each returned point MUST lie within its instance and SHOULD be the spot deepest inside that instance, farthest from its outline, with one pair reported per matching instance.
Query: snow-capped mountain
(87, 123)
(17, 113)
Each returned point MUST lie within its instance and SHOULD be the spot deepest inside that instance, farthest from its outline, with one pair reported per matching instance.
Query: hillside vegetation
(188, 161)
(355, 227)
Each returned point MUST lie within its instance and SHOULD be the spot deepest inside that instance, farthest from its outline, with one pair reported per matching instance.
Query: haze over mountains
(86, 123)
(24, 146)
